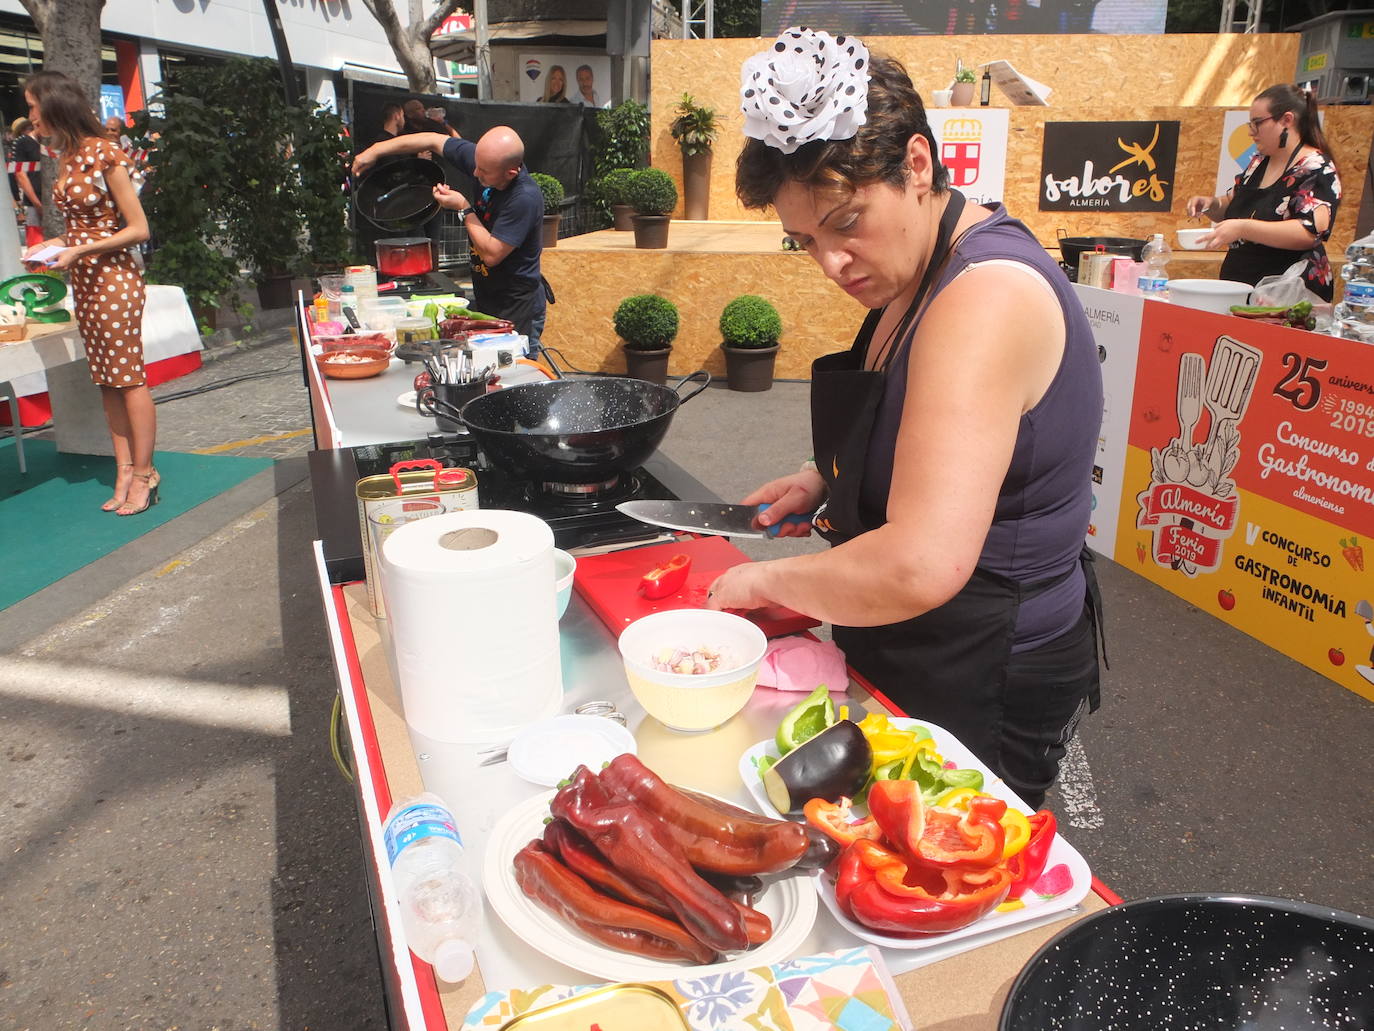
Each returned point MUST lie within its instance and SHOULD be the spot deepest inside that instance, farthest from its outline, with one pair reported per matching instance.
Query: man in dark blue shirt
(504, 223)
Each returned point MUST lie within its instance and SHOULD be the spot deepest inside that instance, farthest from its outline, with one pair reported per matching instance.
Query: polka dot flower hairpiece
(809, 86)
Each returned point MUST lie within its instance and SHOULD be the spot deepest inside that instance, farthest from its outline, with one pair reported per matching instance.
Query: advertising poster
(973, 146)
(536, 74)
(1237, 149)
(1249, 483)
(1108, 166)
(1115, 319)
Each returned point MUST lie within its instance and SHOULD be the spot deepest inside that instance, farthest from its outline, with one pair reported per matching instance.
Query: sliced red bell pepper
(879, 889)
(833, 820)
(972, 838)
(666, 579)
(899, 810)
(1028, 864)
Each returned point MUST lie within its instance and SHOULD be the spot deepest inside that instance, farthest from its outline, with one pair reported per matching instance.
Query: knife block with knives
(610, 584)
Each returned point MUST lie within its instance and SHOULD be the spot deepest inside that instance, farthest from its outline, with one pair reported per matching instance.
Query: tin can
(415, 489)
(644, 1007)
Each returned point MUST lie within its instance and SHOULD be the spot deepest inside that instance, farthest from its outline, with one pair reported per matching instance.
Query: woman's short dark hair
(1286, 97)
(877, 153)
(67, 112)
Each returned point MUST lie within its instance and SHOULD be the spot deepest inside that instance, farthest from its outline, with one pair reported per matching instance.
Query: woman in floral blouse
(1283, 205)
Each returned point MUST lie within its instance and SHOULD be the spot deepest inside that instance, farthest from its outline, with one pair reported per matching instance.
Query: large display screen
(965, 17)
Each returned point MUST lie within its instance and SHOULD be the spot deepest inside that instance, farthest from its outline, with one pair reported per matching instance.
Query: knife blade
(705, 517)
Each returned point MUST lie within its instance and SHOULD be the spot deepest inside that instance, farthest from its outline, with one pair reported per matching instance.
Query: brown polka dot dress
(107, 288)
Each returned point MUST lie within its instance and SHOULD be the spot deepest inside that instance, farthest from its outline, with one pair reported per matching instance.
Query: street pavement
(178, 850)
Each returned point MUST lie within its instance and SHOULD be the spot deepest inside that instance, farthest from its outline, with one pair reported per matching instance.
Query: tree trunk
(71, 44)
(410, 43)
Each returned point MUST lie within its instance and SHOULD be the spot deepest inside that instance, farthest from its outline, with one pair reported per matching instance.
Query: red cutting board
(609, 584)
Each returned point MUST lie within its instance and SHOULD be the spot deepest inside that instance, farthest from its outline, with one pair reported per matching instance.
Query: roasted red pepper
(636, 844)
(1028, 864)
(667, 579)
(714, 835)
(602, 918)
(581, 858)
(833, 820)
(877, 887)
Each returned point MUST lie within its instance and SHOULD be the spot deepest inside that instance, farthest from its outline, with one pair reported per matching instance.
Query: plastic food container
(1209, 294)
(692, 701)
(414, 330)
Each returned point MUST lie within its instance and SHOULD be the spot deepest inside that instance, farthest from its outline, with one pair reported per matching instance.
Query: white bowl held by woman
(692, 701)
(1191, 239)
(1209, 294)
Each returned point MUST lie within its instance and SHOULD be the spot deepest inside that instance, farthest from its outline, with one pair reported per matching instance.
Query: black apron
(948, 665)
(519, 301)
(1247, 261)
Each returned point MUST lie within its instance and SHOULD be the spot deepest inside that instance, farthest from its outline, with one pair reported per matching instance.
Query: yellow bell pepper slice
(1017, 831)
(957, 798)
(1010, 906)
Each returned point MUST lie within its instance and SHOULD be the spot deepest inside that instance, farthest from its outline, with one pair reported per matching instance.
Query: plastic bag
(1287, 289)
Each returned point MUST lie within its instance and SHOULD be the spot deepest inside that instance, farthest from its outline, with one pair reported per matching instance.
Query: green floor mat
(50, 519)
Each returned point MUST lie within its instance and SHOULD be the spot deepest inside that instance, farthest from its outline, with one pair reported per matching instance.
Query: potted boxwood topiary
(695, 130)
(615, 185)
(750, 328)
(552, 190)
(653, 196)
(648, 325)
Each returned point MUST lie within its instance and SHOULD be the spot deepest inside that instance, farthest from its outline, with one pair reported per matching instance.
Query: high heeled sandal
(153, 480)
(117, 501)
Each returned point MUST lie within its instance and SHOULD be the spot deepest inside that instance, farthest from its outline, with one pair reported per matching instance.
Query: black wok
(398, 195)
(574, 431)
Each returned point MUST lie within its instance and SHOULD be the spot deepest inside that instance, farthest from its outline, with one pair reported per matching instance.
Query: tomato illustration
(1226, 600)
(1336, 656)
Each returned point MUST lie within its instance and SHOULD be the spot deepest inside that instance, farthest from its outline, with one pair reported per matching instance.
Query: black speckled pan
(1194, 962)
(574, 431)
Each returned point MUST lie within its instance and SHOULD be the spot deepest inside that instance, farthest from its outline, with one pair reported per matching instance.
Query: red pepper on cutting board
(667, 579)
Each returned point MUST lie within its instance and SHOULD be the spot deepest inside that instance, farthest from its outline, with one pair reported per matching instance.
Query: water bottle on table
(1355, 311)
(439, 903)
(1155, 282)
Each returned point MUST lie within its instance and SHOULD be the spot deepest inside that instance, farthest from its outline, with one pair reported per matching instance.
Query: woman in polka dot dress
(104, 219)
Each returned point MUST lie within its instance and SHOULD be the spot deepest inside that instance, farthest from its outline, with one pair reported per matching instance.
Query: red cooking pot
(405, 256)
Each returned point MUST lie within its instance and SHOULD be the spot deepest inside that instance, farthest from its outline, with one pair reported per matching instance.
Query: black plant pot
(551, 229)
(624, 217)
(275, 292)
(651, 231)
(648, 365)
(749, 368)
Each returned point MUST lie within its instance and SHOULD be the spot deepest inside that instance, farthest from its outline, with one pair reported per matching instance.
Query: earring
(1283, 139)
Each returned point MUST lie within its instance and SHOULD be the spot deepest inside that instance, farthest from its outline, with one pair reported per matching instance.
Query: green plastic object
(39, 295)
(814, 713)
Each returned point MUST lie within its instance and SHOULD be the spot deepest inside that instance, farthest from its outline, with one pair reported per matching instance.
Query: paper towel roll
(474, 628)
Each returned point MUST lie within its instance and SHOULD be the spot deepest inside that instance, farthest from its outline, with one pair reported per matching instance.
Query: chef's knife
(706, 517)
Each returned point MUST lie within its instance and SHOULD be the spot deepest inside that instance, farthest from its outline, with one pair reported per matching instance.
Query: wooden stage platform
(705, 265)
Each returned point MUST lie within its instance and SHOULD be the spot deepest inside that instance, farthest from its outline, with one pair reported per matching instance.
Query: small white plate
(790, 903)
(406, 400)
(971, 936)
(548, 751)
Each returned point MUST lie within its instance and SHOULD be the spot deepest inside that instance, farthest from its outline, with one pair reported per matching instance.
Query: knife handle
(794, 520)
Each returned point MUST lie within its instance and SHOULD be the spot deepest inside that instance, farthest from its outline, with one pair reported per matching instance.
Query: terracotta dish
(354, 362)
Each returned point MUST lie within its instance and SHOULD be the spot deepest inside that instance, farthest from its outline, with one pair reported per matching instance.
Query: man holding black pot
(504, 224)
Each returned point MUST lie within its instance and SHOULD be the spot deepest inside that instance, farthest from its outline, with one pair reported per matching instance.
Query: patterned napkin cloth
(850, 990)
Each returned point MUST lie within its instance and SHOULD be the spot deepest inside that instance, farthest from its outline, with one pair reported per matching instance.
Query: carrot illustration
(1354, 554)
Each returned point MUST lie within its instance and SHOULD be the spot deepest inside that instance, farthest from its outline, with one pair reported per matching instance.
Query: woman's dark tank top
(1045, 502)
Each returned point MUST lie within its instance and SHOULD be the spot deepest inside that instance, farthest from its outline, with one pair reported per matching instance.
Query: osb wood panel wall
(1188, 78)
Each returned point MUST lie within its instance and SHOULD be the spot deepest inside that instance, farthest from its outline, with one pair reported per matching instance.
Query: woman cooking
(1283, 205)
(953, 441)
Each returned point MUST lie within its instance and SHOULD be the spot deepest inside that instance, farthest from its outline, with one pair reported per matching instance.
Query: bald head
(500, 153)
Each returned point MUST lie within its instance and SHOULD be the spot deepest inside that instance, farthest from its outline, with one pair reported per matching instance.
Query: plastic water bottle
(1355, 312)
(439, 903)
(1155, 282)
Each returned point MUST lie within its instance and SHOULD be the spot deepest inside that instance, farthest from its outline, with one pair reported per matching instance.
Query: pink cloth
(801, 664)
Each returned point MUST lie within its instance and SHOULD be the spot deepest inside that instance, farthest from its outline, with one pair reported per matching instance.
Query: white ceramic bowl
(692, 701)
(1191, 239)
(941, 97)
(1209, 294)
(564, 566)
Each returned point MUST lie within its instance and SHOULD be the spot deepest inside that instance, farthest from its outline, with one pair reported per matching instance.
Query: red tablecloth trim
(425, 981)
(36, 409)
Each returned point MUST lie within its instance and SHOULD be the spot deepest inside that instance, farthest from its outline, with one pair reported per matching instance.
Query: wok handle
(692, 375)
(1060, 233)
